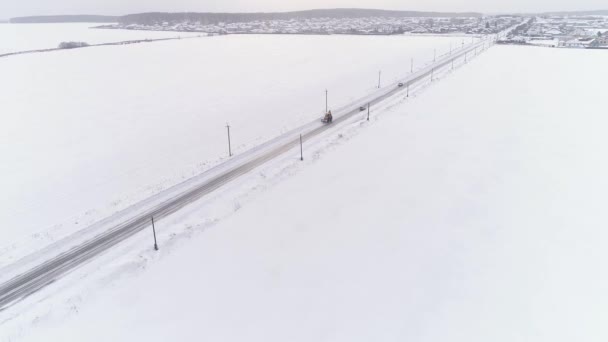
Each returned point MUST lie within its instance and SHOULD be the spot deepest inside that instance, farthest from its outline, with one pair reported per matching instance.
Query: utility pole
(326, 106)
(412, 66)
(229, 145)
(368, 105)
(154, 232)
(301, 149)
(408, 90)
(379, 77)
(432, 74)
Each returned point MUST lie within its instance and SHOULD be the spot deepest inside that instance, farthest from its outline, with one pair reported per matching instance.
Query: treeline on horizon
(64, 19)
(214, 18)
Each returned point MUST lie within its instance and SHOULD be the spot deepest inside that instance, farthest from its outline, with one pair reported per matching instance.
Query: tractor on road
(329, 118)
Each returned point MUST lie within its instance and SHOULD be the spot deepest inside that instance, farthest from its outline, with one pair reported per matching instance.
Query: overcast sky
(13, 8)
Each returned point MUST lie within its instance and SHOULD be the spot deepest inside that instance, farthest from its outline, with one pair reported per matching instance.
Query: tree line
(215, 18)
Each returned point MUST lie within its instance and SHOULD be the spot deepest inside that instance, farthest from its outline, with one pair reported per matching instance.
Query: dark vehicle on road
(329, 118)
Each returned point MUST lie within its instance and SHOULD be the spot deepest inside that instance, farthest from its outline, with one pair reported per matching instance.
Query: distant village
(581, 32)
(327, 26)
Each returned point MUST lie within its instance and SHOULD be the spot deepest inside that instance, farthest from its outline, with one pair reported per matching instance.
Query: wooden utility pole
(154, 233)
(229, 144)
(301, 149)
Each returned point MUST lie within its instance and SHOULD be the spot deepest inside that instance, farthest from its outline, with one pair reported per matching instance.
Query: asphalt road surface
(50, 271)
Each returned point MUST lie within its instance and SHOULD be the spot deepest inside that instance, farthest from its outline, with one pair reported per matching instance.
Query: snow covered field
(88, 132)
(473, 212)
(25, 37)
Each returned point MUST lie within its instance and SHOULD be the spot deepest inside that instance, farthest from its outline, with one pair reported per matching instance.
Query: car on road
(400, 85)
(362, 108)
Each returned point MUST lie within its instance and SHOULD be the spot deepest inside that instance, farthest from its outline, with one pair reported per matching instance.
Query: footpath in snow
(473, 212)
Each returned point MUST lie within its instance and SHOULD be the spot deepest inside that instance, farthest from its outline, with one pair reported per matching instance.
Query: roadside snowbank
(472, 213)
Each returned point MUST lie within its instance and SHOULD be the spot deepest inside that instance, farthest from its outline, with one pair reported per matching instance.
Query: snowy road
(125, 224)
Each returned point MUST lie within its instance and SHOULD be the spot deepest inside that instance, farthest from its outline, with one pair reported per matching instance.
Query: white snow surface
(26, 37)
(89, 132)
(472, 212)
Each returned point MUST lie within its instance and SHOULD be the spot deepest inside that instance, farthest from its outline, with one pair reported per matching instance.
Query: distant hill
(597, 12)
(339, 13)
(64, 19)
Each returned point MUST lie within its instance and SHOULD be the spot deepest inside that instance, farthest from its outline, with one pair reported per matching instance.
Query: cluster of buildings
(362, 26)
(564, 31)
